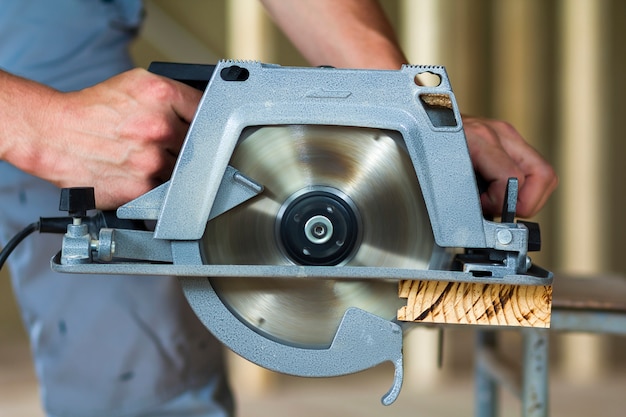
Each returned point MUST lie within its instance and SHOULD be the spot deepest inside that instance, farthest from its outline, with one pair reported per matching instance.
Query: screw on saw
(318, 229)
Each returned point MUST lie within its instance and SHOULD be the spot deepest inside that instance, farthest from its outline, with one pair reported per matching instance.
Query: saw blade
(333, 196)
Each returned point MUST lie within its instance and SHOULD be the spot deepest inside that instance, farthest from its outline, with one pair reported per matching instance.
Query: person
(75, 112)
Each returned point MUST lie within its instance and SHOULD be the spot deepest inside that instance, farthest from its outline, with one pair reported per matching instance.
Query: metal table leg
(535, 373)
(493, 372)
(485, 386)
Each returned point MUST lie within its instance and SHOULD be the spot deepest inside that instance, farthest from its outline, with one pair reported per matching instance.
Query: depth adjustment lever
(78, 242)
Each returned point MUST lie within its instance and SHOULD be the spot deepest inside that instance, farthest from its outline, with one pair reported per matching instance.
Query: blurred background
(554, 69)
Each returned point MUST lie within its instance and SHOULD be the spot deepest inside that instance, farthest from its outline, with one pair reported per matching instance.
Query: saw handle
(194, 75)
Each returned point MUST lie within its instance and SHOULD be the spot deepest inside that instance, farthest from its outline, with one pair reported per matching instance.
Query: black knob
(77, 200)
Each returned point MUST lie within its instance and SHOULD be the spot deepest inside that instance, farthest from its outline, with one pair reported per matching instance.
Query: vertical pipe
(420, 31)
(486, 391)
(248, 37)
(468, 55)
(248, 33)
(535, 393)
(520, 72)
(421, 38)
(523, 87)
(582, 136)
(583, 145)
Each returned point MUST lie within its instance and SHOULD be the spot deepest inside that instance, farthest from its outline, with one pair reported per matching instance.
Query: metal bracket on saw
(376, 341)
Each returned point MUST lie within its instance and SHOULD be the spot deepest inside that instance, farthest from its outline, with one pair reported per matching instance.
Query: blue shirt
(67, 44)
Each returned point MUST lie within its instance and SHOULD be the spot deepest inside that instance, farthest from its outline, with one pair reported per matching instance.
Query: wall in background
(553, 69)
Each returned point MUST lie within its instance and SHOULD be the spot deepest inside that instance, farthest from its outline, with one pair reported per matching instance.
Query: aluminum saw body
(300, 198)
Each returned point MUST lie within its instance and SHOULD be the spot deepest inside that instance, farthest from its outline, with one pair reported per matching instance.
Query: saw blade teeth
(364, 173)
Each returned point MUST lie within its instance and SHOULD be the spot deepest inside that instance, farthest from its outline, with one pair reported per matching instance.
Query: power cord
(12, 244)
(44, 225)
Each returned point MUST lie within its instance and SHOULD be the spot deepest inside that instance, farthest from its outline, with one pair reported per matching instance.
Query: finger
(492, 200)
(493, 163)
(165, 173)
(538, 187)
(179, 131)
(185, 101)
(540, 179)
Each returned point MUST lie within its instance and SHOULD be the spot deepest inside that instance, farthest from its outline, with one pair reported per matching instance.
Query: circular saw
(302, 202)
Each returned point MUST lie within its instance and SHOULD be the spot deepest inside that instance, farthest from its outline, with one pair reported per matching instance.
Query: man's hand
(499, 152)
(121, 136)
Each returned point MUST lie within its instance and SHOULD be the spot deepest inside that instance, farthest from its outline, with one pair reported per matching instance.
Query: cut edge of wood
(475, 303)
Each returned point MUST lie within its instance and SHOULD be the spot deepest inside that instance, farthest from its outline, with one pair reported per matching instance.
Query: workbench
(589, 304)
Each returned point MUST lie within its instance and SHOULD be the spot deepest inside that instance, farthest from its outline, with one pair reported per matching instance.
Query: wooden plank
(474, 303)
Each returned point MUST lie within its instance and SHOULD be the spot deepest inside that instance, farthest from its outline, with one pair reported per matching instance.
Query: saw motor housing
(241, 97)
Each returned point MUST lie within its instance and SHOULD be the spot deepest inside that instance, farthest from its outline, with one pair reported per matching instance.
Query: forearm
(341, 33)
(23, 109)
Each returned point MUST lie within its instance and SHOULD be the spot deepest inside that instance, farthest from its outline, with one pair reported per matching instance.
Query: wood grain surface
(474, 303)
